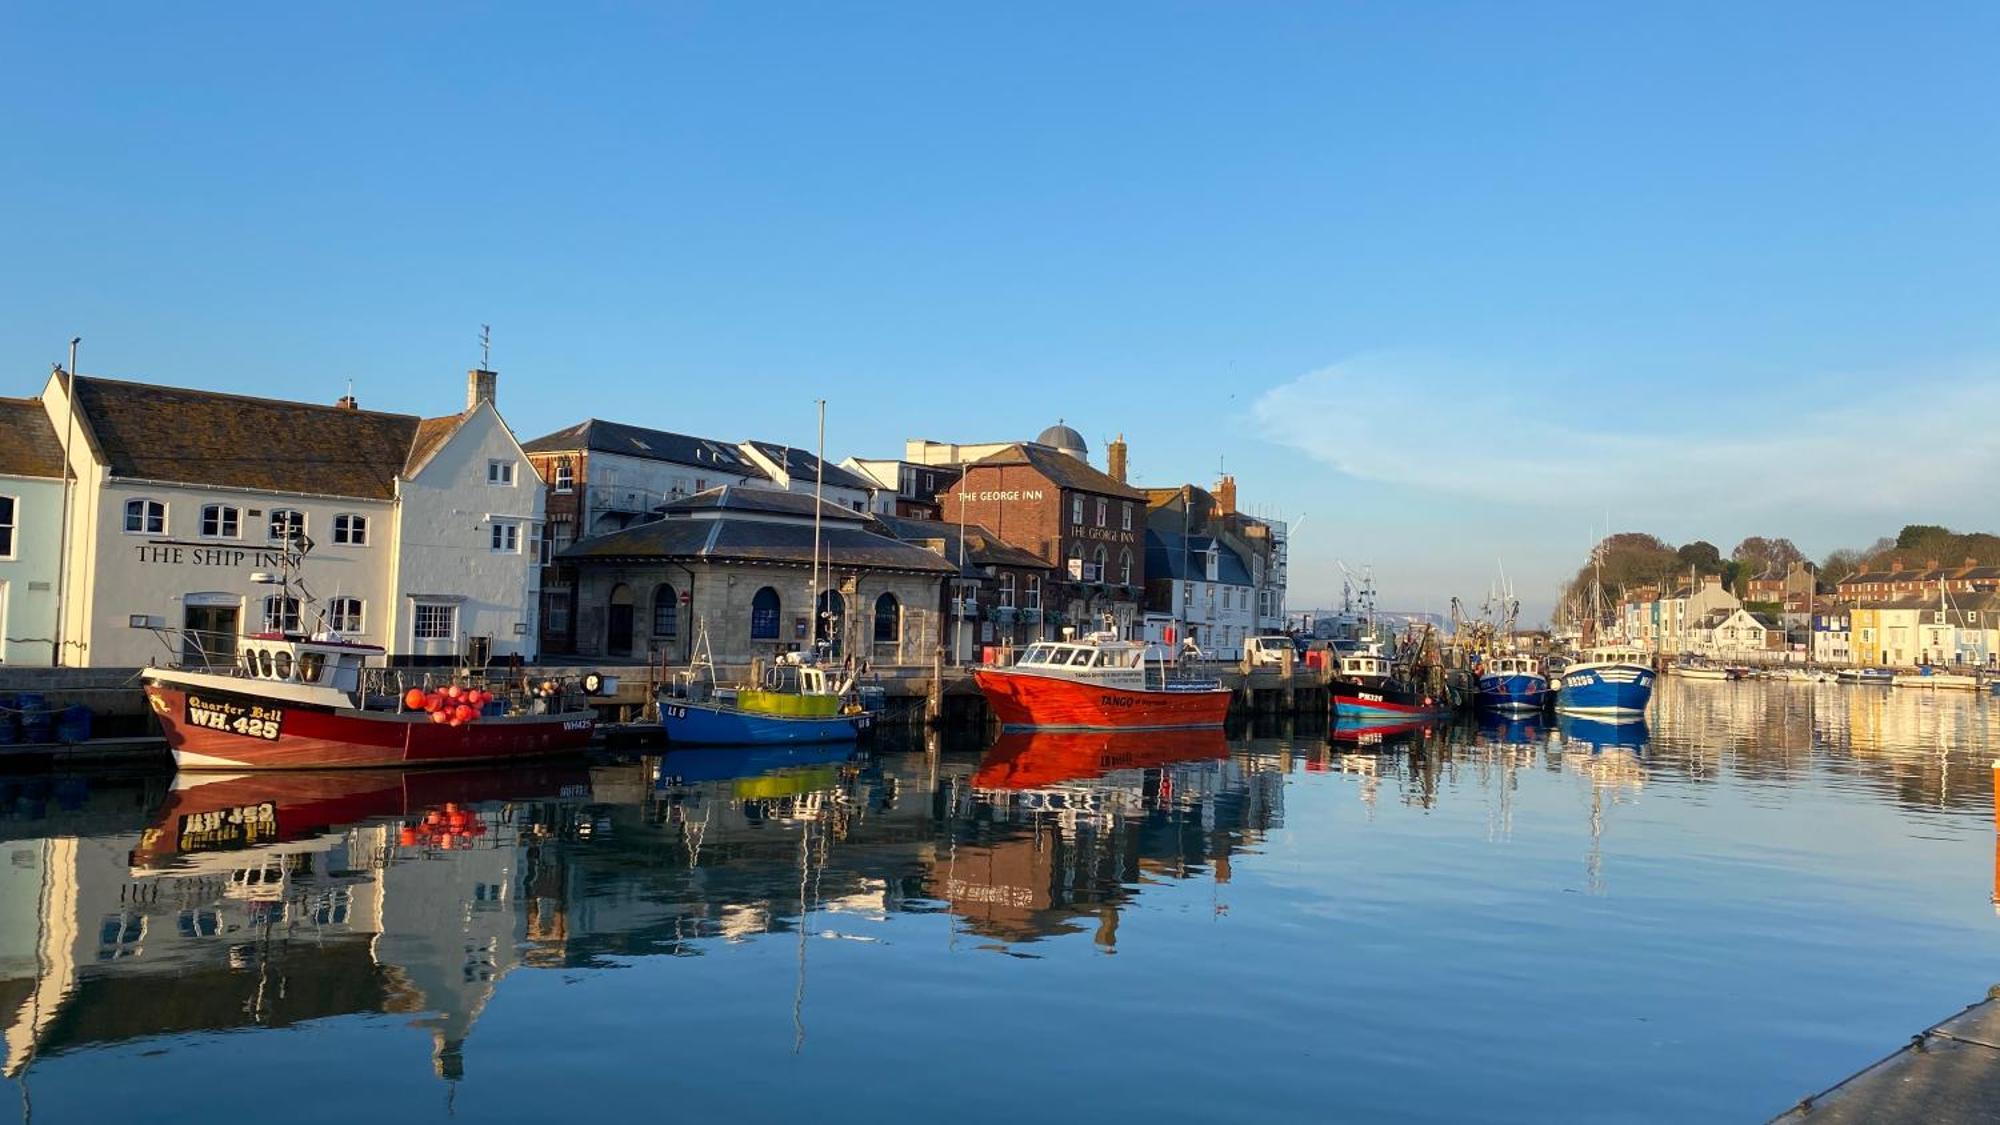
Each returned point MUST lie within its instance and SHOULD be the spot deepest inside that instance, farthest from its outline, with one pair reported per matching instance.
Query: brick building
(1045, 498)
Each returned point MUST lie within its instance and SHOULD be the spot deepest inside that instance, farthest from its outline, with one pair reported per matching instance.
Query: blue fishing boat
(728, 724)
(1608, 681)
(1513, 682)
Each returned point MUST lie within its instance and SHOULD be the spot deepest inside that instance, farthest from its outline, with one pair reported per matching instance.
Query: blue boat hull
(1610, 690)
(1517, 692)
(708, 724)
(1601, 735)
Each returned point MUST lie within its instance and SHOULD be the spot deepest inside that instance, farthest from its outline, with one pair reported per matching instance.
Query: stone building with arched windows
(738, 562)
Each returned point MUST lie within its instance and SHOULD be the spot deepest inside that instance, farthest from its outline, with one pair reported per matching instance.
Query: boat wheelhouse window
(145, 517)
(264, 663)
(310, 665)
(249, 662)
(344, 615)
(281, 614)
(350, 530)
(764, 615)
(1036, 654)
(281, 664)
(220, 521)
(286, 525)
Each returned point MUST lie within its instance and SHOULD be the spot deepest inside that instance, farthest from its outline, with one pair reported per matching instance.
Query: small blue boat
(1513, 683)
(718, 724)
(1608, 682)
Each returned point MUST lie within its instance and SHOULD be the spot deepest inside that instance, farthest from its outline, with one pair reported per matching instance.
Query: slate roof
(146, 432)
(1169, 554)
(599, 436)
(770, 501)
(746, 538)
(1061, 469)
(802, 466)
(28, 445)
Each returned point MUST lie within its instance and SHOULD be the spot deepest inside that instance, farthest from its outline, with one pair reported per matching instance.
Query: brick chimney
(348, 402)
(1114, 459)
(481, 385)
(1225, 495)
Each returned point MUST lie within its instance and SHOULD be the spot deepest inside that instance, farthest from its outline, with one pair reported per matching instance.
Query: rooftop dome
(1065, 440)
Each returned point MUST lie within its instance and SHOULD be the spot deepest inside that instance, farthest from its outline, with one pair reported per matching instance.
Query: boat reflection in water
(1498, 728)
(1598, 736)
(1021, 760)
(1385, 735)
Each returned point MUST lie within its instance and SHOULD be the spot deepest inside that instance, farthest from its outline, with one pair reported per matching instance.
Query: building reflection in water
(141, 906)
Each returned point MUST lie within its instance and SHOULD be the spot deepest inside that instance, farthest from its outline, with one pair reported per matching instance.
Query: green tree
(1703, 556)
(1914, 534)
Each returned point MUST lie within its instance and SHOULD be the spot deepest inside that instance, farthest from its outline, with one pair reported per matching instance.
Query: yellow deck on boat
(790, 704)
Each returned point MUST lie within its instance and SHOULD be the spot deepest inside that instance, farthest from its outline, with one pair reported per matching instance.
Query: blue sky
(1455, 283)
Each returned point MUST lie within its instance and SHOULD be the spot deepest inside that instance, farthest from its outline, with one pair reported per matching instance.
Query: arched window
(830, 613)
(666, 611)
(764, 615)
(1076, 562)
(344, 615)
(1125, 567)
(1099, 559)
(220, 521)
(350, 530)
(145, 517)
(287, 524)
(888, 620)
(281, 614)
(1006, 590)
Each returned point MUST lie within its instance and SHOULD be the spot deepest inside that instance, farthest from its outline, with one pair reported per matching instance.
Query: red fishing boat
(1101, 683)
(293, 700)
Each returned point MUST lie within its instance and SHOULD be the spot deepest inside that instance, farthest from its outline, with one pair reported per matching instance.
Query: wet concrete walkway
(1948, 1075)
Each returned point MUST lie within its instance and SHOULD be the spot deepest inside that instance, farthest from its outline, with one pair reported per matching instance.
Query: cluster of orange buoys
(453, 704)
(450, 827)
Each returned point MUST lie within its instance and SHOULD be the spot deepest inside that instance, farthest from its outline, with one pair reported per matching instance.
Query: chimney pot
(481, 385)
(347, 402)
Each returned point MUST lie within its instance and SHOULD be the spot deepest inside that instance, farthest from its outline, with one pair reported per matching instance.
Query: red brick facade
(1026, 508)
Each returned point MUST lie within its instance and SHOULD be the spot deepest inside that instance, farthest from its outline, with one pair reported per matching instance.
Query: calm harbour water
(1773, 886)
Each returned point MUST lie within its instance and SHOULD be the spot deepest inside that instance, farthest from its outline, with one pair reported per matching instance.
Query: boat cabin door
(209, 624)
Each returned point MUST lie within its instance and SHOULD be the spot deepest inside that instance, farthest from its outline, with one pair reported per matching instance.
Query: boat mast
(819, 487)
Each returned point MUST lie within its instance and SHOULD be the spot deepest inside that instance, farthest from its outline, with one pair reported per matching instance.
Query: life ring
(593, 683)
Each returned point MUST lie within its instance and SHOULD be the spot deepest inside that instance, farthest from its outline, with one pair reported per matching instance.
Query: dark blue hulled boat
(1513, 683)
(1606, 682)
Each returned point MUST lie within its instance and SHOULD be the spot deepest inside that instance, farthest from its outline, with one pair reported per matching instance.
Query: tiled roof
(1062, 469)
(982, 547)
(146, 432)
(599, 436)
(28, 445)
(769, 501)
(746, 538)
(431, 433)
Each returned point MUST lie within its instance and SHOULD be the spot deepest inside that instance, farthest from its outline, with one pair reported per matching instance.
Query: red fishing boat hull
(1024, 701)
(210, 729)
